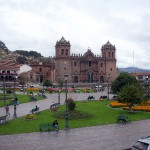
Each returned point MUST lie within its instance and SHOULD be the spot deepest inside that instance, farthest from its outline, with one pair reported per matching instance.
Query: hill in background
(133, 69)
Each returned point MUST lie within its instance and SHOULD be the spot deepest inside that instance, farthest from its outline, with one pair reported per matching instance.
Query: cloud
(37, 25)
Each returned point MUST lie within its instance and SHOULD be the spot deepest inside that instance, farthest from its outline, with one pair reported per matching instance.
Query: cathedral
(86, 68)
(80, 68)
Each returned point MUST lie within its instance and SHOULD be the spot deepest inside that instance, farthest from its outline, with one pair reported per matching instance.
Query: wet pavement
(105, 137)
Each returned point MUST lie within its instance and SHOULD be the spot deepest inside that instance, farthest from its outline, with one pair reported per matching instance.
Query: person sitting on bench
(36, 108)
(55, 125)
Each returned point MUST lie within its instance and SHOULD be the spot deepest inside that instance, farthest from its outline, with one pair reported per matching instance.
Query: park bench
(35, 110)
(47, 126)
(54, 107)
(33, 98)
(122, 119)
(2, 119)
(41, 95)
(104, 97)
(90, 98)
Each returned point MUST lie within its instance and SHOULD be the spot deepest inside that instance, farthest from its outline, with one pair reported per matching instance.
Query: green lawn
(23, 98)
(102, 114)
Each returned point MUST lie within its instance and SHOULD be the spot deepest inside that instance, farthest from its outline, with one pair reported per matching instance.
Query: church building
(86, 68)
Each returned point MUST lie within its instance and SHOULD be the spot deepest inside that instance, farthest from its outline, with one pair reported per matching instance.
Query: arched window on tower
(112, 54)
(66, 51)
(101, 64)
(109, 54)
(62, 52)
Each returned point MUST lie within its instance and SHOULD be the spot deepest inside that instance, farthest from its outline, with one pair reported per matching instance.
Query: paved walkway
(106, 137)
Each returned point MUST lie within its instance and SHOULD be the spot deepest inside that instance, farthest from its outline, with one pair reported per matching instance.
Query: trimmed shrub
(71, 104)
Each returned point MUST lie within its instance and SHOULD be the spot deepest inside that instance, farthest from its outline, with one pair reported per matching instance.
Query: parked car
(99, 88)
(142, 144)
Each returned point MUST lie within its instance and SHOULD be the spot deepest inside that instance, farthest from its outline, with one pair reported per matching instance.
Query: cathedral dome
(88, 53)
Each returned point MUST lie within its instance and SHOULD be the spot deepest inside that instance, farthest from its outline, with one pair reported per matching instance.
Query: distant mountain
(133, 69)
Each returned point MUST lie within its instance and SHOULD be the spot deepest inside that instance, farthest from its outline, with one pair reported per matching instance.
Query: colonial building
(10, 70)
(44, 69)
(86, 68)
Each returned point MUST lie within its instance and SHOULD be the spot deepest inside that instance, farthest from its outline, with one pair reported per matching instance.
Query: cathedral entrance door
(76, 79)
(90, 77)
(101, 79)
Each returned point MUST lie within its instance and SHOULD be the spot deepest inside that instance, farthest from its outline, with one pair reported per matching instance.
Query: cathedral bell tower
(62, 48)
(109, 59)
(62, 60)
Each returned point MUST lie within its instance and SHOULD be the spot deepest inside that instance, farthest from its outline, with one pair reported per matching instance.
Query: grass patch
(99, 112)
(23, 98)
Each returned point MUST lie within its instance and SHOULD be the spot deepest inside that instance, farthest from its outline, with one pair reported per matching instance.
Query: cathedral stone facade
(86, 68)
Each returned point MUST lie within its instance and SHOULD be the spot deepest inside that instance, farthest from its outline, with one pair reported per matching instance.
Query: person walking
(7, 110)
(16, 101)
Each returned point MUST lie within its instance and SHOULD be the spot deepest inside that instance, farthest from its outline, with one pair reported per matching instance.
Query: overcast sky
(38, 24)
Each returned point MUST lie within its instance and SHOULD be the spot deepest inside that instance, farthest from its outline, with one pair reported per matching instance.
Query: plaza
(109, 137)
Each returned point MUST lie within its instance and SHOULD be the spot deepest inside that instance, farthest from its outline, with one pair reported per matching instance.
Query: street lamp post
(66, 113)
(59, 97)
(147, 87)
(4, 90)
(43, 84)
(58, 90)
(15, 114)
(108, 88)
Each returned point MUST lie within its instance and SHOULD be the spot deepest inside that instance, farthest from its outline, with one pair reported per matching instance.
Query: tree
(47, 83)
(22, 60)
(27, 54)
(60, 82)
(122, 80)
(130, 94)
(71, 104)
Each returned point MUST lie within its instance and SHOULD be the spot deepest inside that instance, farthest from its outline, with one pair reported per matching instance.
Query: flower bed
(30, 116)
(138, 108)
(33, 89)
(117, 104)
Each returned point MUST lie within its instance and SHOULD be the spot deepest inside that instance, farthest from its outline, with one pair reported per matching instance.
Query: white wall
(24, 68)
